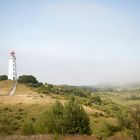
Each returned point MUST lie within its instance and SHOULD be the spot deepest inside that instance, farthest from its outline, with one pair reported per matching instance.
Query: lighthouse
(12, 73)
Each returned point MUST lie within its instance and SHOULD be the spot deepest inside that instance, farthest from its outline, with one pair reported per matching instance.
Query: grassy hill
(28, 103)
(5, 87)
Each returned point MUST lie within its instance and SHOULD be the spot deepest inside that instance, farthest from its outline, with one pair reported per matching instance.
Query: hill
(5, 87)
(29, 102)
(116, 87)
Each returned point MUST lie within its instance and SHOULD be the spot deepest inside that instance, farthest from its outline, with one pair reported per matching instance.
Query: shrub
(107, 130)
(96, 100)
(27, 79)
(124, 119)
(75, 119)
(28, 128)
(65, 119)
(3, 77)
(134, 97)
(71, 90)
(135, 128)
(130, 120)
(42, 89)
(36, 85)
(54, 118)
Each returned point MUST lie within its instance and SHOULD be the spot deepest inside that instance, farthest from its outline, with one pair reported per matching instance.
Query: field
(27, 105)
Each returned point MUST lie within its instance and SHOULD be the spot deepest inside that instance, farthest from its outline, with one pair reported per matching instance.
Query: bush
(28, 129)
(108, 130)
(135, 128)
(124, 119)
(75, 91)
(75, 119)
(130, 120)
(54, 118)
(42, 89)
(134, 97)
(36, 85)
(27, 79)
(65, 119)
(96, 100)
(3, 77)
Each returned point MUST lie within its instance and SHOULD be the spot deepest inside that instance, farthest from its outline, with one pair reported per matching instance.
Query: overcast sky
(78, 42)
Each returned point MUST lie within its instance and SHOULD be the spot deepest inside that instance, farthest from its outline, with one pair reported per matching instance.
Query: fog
(73, 42)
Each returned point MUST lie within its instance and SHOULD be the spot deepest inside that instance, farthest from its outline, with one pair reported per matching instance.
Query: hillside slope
(25, 96)
(26, 105)
(6, 87)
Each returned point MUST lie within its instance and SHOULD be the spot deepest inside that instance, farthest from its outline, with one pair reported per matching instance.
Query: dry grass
(119, 138)
(23, 95)
(33, 104)
(91, 110)
(120, 98)
(49, 137)
(5, 87)
(78, 138)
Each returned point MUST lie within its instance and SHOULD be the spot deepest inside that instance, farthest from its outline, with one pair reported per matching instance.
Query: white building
(12, 73)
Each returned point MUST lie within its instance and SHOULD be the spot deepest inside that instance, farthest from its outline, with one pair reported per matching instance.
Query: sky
(76, 42)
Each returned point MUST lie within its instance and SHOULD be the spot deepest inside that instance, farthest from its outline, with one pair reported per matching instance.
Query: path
(14, 89)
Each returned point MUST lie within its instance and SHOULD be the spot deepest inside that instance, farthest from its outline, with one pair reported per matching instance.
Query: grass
(121, 97)
(27, 104)
(69, 137)
(5, 87)
(49, 137)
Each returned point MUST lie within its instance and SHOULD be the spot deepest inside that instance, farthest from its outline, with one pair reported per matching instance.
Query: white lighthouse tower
(12, 73)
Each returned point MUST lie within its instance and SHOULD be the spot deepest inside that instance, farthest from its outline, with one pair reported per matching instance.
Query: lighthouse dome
(12, 53)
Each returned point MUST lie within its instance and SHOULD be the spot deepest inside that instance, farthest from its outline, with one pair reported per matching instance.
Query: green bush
(71, 90)
(124, 119)
(27, 79)
(54, 118)
(42, 89)
(35, 85)
(135, 115)
(96, 99)
(3, 77)
(130, 119)
(134, 97)
(28, 128)
(75, 119)
(108, 130)
(65, 119)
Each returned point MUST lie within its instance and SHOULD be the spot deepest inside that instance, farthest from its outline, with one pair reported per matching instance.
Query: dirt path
(14, 89)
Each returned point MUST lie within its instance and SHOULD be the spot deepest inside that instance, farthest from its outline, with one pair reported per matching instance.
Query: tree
(3, 77)
(76, 121)
(66, 119)
(96, 99)
(54, 118)
(27, 79)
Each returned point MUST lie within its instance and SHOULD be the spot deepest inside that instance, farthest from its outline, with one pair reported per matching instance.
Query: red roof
(12, 53)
